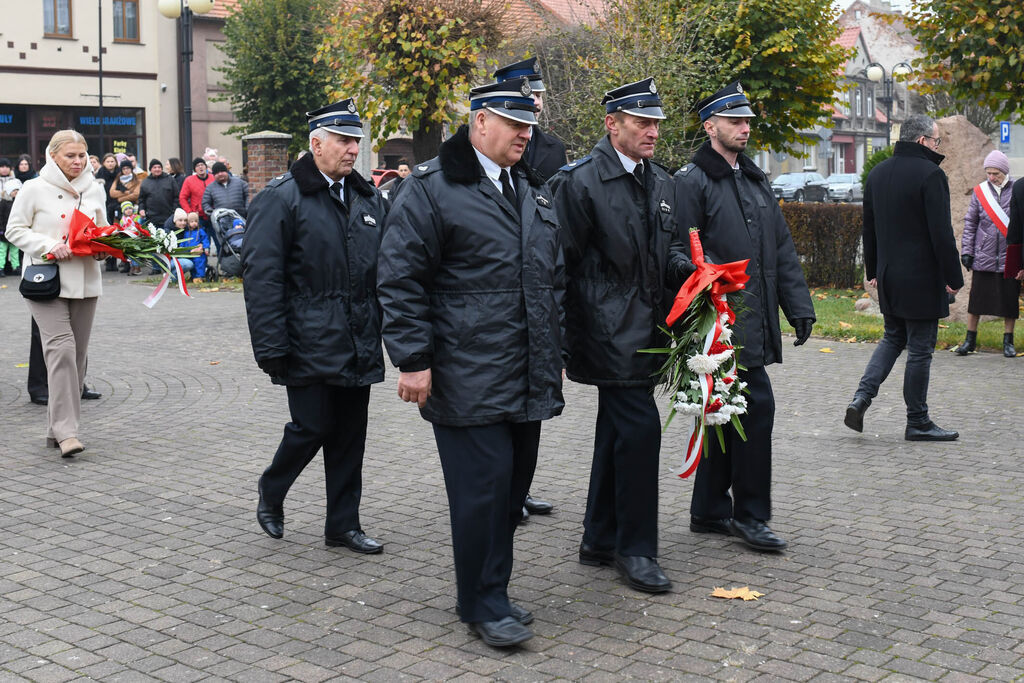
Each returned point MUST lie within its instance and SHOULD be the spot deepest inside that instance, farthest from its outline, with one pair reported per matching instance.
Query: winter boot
(1008, 349)
(968, 345)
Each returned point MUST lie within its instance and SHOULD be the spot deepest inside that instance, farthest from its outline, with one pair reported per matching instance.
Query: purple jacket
(982, 238)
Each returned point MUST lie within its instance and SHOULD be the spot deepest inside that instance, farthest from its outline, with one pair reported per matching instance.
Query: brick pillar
(267, 158)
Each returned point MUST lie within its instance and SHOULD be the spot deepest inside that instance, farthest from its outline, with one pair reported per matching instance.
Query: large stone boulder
(965, 148)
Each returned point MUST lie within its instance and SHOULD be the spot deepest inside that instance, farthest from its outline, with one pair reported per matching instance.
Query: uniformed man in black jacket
(310, 269)
(471, 284)
(545, 154)
(615, 209)
(726, 196)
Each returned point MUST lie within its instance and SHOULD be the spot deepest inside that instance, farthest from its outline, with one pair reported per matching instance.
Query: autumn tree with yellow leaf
(410, 63)
(973, 50)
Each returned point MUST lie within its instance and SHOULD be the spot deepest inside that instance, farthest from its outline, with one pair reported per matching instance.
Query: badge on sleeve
(665, 208)
(542, 200)
(369, 220)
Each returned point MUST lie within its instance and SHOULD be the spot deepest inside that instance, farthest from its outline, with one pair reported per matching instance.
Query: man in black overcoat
(724, 194)
(910, 254)
(1015, 235)
(310, 268)
(615, 209)
(471, 285)
(545, 154)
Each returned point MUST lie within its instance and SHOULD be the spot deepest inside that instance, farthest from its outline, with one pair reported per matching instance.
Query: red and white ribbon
(158, 293)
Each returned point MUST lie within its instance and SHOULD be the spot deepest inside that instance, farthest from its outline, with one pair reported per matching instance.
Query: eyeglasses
(938, 140)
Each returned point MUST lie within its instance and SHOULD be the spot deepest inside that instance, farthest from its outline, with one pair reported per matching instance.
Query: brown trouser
(64, 326)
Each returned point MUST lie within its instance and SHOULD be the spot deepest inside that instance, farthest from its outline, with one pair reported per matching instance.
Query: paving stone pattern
(141, 560)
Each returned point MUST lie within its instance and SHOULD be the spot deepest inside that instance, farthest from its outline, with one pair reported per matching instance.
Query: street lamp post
(183, 11)
(875, 73)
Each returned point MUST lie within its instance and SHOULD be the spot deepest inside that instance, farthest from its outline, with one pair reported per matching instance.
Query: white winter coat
(40, 218)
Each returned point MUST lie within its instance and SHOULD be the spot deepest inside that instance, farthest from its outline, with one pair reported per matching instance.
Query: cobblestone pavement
(141, 559)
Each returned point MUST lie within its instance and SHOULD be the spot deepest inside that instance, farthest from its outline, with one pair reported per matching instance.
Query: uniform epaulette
(426, 168)
(279, 179)
(685, 170)
(576, 164)
(663, 167)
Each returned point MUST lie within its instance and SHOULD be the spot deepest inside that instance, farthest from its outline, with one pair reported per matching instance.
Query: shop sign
(107, 120)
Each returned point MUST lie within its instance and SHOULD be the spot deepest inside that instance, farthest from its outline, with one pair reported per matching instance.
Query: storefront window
(13, 131)
(57, 18)
(126, 21)
(122, 130)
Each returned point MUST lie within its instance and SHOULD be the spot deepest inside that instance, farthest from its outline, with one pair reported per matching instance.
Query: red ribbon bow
(723, 278)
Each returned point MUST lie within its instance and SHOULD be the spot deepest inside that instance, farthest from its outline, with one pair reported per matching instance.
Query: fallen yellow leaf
(736, 593)
(865, 295)
(21, 365)
(214, 362)
(850, 340)
(844, 325)
(821, 296)
(826, 350)
(943, 327)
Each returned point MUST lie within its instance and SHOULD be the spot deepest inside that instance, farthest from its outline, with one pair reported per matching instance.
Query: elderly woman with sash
(983, 251)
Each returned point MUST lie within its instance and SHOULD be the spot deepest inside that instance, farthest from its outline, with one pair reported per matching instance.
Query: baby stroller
(230, 228)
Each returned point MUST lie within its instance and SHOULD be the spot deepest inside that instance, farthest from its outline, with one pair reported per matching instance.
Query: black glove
(276, 366)
(967, 260)
(802, 327)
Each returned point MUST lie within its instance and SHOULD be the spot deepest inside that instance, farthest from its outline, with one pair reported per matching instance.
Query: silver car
(845, 187)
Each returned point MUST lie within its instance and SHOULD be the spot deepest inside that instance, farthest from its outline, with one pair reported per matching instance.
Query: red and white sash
(990, 203)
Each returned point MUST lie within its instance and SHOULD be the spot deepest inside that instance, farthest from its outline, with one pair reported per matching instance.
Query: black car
(800, 187)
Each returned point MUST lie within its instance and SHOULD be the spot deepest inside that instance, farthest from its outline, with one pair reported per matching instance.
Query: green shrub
(827, 239)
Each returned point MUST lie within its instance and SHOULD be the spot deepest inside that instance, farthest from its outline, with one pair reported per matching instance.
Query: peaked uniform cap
(729, 101)
(512, 99)
(340, 117)
(527, 68)
(639, 99)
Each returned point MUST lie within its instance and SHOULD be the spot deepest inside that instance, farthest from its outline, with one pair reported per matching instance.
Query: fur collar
(310, 180)
(459, 163)
(712, 163)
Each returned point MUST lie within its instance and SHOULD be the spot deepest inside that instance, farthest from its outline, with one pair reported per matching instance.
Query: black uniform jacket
(1015, 231)
(474, 292)
(908, 236)
(739, 218)
(545, 154)
(616, 241)
(310, 270)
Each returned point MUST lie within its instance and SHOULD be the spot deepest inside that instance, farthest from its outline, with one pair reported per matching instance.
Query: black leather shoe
(701, 525)
(90, 395)
(525, 516)
(358, 541)
(39, 400)
(520, 614)
(642, 573)
(929, 432)
(855, 414)
(270, 517)
(595, 557)
(537, 507)
(502, 633)
(756, 534)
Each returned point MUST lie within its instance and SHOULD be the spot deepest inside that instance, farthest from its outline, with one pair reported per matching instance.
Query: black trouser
(745, 466)
(37, 385)
(487, 472)
(918, 338)
(334, 418)
(622, 504)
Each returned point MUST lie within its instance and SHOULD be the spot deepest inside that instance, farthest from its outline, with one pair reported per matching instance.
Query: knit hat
(997, 160)
(127, 164)
(219, 167)
(121, 157)
(155, 162)
(197, 161)
(127, 205)
(180, 213)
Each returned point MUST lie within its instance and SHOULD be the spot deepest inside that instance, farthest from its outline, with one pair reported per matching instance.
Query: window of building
(871, 104)
(126, 21)
(858, 102)
(57, 18)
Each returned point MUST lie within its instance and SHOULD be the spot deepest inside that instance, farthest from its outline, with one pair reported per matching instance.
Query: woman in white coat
(38, 225)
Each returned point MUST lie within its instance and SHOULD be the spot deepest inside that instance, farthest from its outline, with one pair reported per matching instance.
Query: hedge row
(827, 239)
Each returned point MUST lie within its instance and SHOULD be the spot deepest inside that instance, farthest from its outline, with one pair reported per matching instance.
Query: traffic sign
(1004, 132)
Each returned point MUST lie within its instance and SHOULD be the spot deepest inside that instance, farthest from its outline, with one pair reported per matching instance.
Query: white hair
(320, 134)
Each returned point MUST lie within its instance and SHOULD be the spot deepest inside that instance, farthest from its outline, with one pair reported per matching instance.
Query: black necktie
(506, 189)
(336, 190)
(638, 173)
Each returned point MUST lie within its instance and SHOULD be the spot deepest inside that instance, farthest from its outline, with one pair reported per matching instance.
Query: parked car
(382, 175)
(800, 187)
(845, 187)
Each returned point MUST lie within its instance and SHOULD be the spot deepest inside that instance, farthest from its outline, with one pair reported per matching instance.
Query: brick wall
(267, 158)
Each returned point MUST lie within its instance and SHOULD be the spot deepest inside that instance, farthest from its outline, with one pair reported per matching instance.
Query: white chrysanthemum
(739, 401)
(721, 387)
(689, 409)
(726, 336)
(702, 363)
(716, 419)
(720, 358)
(695, 384)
